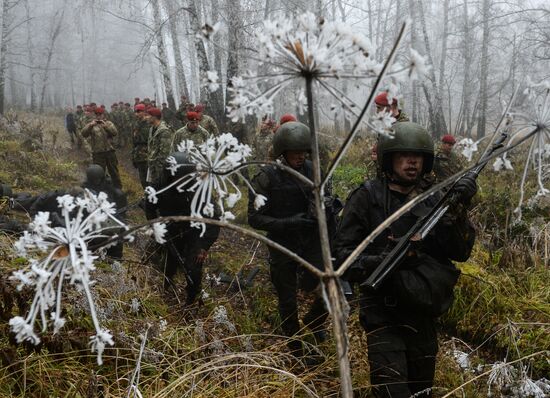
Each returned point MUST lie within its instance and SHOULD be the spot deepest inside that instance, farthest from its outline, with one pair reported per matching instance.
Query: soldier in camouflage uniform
(159, 147)
(81, 120)
(169, 116)
(191, 131)
(100, 134)
(263, 140)
(185, 106)
(207, 122)
(140, 140)
(382, 104)
(447, 162)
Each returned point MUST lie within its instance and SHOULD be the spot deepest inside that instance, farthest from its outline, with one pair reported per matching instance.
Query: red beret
(139, 108)
(194, 116)
(287, 117)
(382, 99)
(448, 139)
(99, 111)
(156, 112)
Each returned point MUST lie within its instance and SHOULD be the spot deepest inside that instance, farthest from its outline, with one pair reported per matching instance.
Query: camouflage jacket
(198, 136)
(159, 148)
(100, 136)
(208, 123)
(446, 165)
(140, 141)
(402, 117)
(262, 144)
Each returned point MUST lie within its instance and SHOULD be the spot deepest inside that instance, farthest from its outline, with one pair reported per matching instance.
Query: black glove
(466, 188)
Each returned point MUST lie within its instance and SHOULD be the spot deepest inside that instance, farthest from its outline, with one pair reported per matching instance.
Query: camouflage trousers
(109, 162)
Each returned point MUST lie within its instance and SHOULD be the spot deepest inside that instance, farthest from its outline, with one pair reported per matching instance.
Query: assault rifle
(424, 224)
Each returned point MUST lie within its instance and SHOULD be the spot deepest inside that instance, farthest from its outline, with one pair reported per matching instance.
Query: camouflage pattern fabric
(446, 165)
(100, 136)
(263, 142)
(198, 136)
(402, 117)
(140, 140)
(208, 123)
(159, 148)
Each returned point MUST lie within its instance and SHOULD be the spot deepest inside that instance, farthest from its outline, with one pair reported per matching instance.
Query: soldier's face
(447, 148)
(295, 159)
(407, 166)
(192, 125)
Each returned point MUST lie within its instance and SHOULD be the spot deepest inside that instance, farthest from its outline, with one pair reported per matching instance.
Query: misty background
(59, 53)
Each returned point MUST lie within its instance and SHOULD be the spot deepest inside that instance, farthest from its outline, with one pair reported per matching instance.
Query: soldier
(185, 247)
(287, 221)
(264, 138)
(80, 122)
(100, 134)
(140, 139)
(207, 122)
(401, 337)
(136, 101)
(159, 146)
(191, 131)
(70, 124)
(382, 104)
(447, 162)
(169, 116)
(96, 182)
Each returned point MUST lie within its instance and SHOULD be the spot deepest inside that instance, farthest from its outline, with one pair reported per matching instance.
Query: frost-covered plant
(60, 256)
(290, 49)
(535, 116)
(216, 160)
(467, 148)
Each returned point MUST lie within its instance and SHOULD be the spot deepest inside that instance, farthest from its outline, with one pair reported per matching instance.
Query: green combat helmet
(291, 136)
(408, 137)
(95, 175)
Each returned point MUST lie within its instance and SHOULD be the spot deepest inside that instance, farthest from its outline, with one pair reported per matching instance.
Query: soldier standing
(100, 134)
(401, 336)
(159, 146)
(185, 248)
(169, 116)
(447, 162)
(207, 122)
(287, 221)
(191, 131)
(140, 139)
(70, 124)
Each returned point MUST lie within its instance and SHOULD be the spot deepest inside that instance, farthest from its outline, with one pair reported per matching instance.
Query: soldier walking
(100, 134)
(140, 140)
(401, 336)
(287, 220)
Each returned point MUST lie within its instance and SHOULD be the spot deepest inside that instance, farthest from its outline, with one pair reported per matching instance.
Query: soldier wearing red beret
(383, 105)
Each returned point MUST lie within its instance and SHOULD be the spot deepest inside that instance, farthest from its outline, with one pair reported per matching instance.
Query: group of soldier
(402, 340)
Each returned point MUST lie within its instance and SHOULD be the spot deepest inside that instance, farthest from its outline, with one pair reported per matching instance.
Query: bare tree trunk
(30, 60)
(234, 31)
(442, 62)
(483, 96)
(57, 22)
(465, 126)
(163, 58)
(437, 118)
(4, 50)
(217, 107)
(153, 75)
(414, 39)
(173, 16)
(200, 49)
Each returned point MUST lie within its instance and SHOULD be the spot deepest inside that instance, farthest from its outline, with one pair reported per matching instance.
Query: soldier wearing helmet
(447, 162)
(100, 133)
(401, 337)
(184, 248)
(286, 218)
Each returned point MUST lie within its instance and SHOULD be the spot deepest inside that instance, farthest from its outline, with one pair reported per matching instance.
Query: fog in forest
(59, 53)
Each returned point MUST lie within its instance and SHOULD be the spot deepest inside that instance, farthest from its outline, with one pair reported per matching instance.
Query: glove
(466, 188)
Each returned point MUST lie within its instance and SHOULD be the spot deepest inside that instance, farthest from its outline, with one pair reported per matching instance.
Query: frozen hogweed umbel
(59, 256)
(215, 162)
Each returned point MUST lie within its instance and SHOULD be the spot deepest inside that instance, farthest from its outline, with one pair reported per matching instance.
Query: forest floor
(229, 344)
